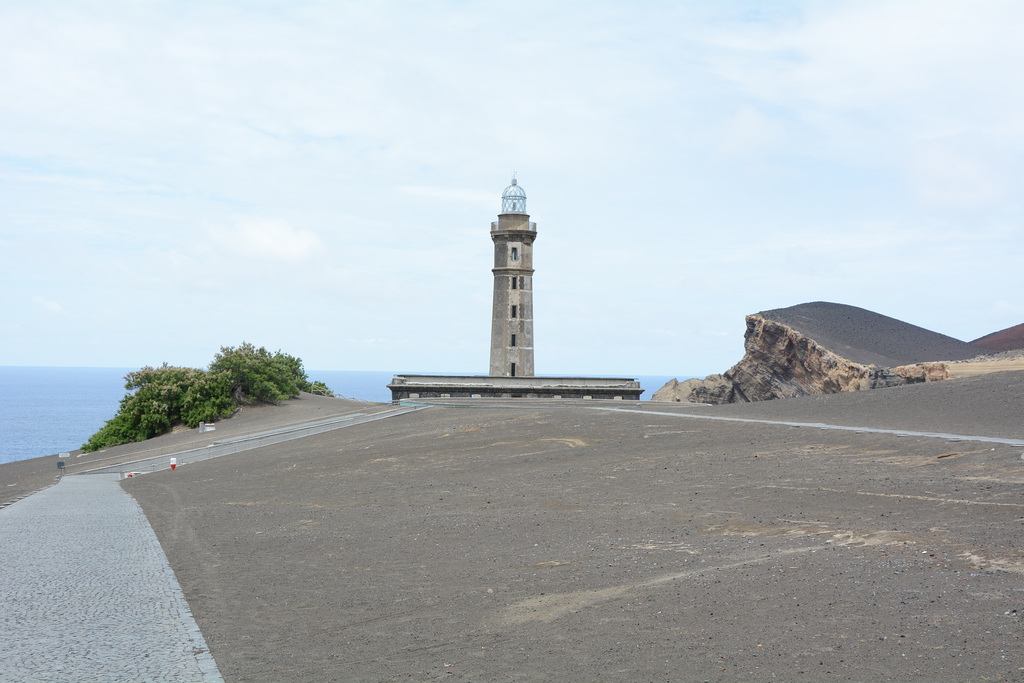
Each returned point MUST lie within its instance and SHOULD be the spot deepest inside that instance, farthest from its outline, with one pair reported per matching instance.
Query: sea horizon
(46, 410)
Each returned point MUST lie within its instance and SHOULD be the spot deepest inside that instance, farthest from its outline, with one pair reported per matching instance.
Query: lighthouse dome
(513, 199)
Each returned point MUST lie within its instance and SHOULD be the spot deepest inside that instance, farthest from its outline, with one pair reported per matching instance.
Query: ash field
(570, 542)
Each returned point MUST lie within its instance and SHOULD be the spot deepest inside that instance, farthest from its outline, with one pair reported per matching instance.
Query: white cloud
(452, 194)
(48, 305)
(955, 174)
(884, 83)
(267, 240)
(749, 131)
(1011, 307)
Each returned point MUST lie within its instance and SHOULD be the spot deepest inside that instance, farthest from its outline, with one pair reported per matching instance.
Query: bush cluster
(167, 396)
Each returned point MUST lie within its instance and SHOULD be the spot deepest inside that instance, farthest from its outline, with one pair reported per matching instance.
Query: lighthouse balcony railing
(494, 226)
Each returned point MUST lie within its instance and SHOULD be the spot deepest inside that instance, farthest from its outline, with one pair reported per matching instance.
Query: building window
(513, 340)
(515, 282)
(512, 373)
(515, 254)
(515, 311)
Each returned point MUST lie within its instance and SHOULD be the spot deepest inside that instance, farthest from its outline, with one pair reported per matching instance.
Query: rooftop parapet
(522, 225)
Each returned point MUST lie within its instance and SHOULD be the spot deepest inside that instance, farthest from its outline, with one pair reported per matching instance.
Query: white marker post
(174, 463)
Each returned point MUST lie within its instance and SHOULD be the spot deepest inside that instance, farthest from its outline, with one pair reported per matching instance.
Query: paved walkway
(648, 408)
(1011, 441)
(248, 442)
(86, 593)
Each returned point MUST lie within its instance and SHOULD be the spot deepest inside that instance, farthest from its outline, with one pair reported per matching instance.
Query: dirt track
(550, 543)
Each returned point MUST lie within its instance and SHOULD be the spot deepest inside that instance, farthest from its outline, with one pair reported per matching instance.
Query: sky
(320, 177)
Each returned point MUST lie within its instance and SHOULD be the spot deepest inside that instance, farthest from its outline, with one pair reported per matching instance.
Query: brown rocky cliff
(780, 362)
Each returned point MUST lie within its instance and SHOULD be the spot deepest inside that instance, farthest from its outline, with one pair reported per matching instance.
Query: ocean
(47, 410)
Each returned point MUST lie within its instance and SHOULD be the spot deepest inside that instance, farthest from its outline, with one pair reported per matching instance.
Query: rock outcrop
(712, 389)
(782, 362)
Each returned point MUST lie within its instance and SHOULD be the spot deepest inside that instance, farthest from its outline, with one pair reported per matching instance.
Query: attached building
(412, 387)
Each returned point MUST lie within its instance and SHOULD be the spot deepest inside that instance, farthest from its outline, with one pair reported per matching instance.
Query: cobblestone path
(86, 593)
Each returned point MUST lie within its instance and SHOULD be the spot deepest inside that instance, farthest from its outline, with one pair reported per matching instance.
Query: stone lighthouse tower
(512, 315)
(511, 373)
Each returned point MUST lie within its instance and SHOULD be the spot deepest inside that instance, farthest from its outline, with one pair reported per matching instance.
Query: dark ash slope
(1004, 340)
(870, 338)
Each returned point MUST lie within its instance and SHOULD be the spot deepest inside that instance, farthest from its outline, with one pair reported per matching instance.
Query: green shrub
(167, 396)
(255, 375)
(320, 389)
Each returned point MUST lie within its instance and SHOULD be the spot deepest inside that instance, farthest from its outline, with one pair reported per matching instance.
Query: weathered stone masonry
(512, 313)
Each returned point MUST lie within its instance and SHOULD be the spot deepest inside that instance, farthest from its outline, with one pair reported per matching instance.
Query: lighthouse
(511, 373)
(512, 313)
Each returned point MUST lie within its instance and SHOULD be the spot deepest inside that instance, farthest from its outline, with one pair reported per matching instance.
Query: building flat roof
(512, 382)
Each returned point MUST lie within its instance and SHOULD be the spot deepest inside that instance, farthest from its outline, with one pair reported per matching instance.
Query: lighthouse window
(515, 282)
(514, 311)
(513, 340)
(513, 373)
(515, 254)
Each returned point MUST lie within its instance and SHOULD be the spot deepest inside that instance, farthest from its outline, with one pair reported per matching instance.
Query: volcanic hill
(824, 348)
(1004, 340)
(867, 337)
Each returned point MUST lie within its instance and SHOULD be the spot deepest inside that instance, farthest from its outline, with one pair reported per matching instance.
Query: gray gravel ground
(539, 543)
(88, 594)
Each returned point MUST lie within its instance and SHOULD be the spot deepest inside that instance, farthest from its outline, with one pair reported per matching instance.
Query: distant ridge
(870, 338)
(1004, 340)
